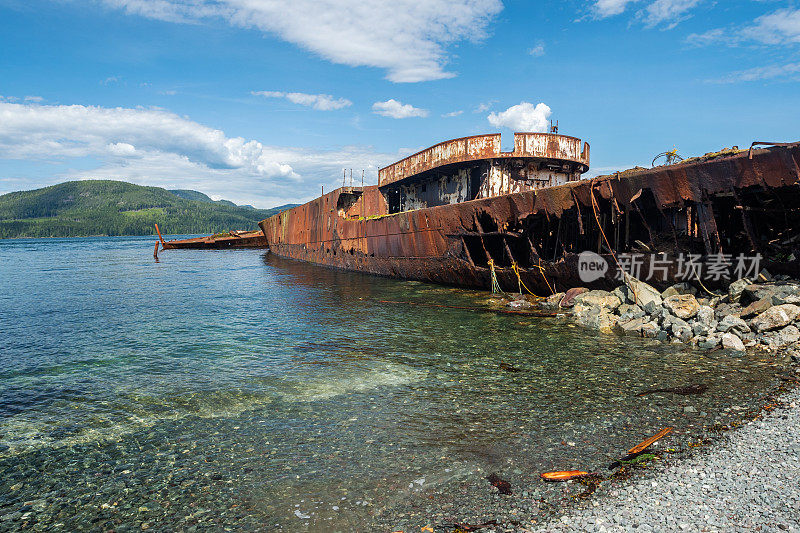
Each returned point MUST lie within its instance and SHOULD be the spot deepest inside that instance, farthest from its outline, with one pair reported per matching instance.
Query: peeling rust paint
(526, 145)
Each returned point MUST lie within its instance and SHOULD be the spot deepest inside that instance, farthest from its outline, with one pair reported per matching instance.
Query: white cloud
(394, 109)
(156, 147)
(670, 12)
(484, 106)
(453, 114)
(781, 27)
(656, 12)
(609, 8)
(770, 72)
(408, 38)
(34, 99)
(322, 102)
(522, 117)
(537, 51)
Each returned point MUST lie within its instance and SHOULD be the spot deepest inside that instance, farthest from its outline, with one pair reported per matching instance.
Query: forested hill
(104, 207)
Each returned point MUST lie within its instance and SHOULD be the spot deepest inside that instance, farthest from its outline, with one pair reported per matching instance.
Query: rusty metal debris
(231, 239)
(441, 215)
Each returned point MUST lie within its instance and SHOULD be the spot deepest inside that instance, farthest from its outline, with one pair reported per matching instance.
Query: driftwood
(642, 446)
(565, 475)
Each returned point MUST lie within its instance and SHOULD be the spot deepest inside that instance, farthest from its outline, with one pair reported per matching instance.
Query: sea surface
(235, 389)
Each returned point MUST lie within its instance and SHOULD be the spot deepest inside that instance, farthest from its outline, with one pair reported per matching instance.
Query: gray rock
(733, 322)
(602, 299)
(645, 294)
(712, 341)
(631, 327)
(732, 342)
(689, 409)
(683, 306)
(705, 315)
(630, 311)
(775, 317)
(780, 338)
(735, 289)
(682, 333)
(594, 317)
(519, 304)
(650, 330)
(679, 288)
(670, 321)
(756, 291)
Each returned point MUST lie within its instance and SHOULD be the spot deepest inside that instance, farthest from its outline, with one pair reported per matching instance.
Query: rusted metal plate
(526, 145)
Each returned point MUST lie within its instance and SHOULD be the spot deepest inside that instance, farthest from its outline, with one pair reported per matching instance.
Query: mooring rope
(608, 244)
(495, 284)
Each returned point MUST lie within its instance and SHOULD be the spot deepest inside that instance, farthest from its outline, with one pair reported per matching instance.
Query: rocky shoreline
(747, 481)
(762, 315)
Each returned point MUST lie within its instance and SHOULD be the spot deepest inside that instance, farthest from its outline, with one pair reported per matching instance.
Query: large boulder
(775, 317)
(646, 296)
(756, 291)
(683, 306)
(602, 299)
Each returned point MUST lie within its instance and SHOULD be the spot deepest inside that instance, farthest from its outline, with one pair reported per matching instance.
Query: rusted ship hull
(244, 239)
(742, 203)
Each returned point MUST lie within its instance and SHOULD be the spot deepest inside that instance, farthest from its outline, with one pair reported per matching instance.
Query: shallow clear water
(236, 388)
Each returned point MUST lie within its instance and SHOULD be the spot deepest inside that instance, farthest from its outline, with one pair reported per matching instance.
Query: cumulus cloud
(408, 38)
(157, 147)
(322, 102)
(522, 117)
(394, 109)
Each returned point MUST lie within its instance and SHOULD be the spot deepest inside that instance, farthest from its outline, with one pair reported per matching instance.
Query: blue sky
(262, 102)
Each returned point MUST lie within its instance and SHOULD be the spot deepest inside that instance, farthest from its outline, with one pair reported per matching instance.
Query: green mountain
(104, 207)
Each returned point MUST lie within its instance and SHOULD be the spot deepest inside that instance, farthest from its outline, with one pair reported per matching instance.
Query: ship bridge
(475, 167)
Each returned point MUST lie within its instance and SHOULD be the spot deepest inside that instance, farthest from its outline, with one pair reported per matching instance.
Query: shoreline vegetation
(107, 208)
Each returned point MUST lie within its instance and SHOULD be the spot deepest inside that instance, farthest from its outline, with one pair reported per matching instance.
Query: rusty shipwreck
(462, 209)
